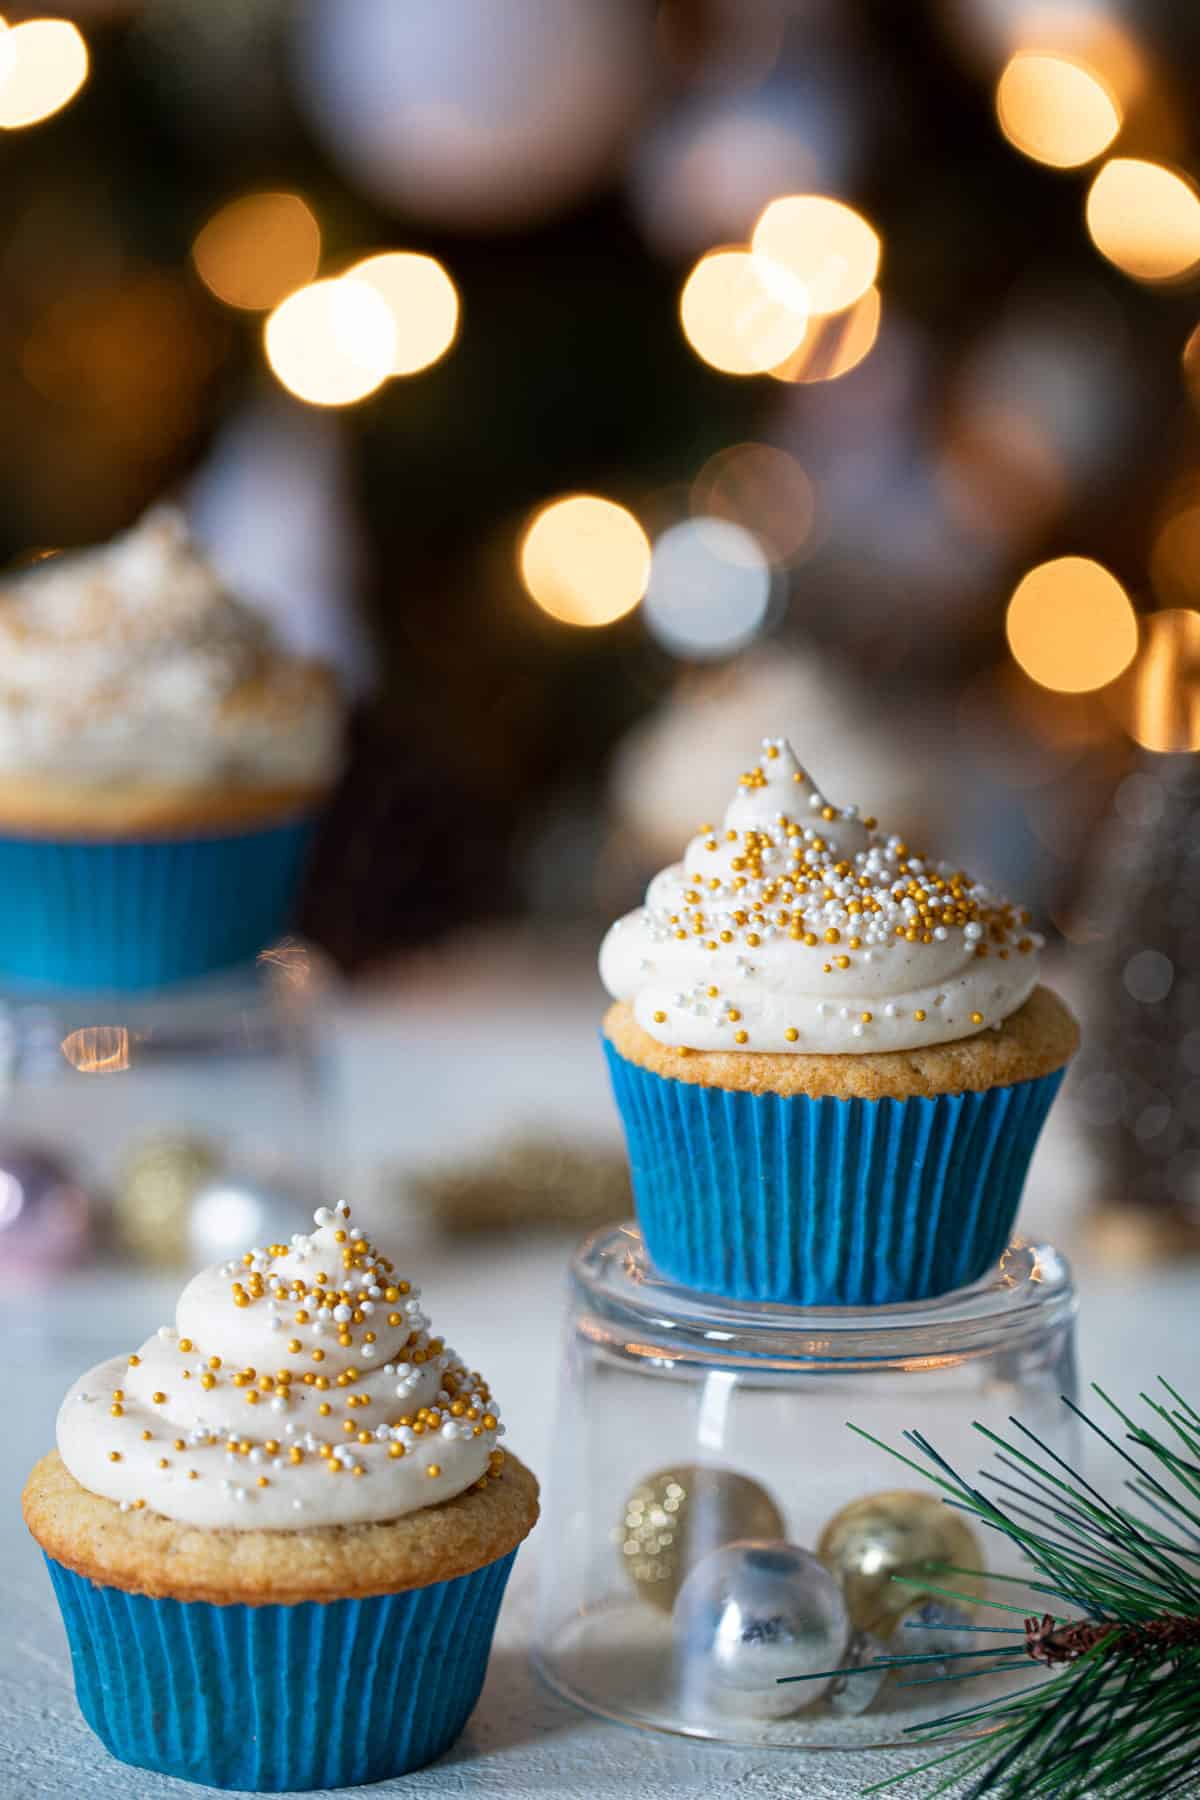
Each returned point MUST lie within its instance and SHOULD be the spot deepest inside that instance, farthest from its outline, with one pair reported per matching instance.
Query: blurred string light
(1158, 702)
(422, 300)
(256, 250)
(1145, 218)
(818, 247)
(734, 321)
(584, 560)
(1055, 109)
(1071, 626)
(763, 489)
(331, 343)
(834, 343)
(43, 65)
(709, 589)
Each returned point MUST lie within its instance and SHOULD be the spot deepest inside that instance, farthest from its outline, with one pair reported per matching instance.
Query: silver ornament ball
(858, 1691)
(934, 1627)
(754, 1612)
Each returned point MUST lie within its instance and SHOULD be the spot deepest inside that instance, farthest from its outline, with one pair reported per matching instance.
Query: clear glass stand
(657, 1379)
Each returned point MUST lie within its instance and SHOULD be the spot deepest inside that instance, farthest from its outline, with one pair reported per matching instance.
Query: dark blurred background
(844, 473)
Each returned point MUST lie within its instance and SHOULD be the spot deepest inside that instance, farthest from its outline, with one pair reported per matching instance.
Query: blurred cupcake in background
(163, 759)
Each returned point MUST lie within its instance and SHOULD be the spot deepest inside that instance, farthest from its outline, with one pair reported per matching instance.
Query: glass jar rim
(1028, 1293)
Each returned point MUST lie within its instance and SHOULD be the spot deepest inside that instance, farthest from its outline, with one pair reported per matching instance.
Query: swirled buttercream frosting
(797, 926)
(298, 1387)
(131, 662)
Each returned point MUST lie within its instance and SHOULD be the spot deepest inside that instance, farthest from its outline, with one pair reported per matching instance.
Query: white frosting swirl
(136, 644)
(298, 1387)
(798, 926)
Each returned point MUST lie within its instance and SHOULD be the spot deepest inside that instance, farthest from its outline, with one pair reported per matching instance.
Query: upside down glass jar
(697, 1437)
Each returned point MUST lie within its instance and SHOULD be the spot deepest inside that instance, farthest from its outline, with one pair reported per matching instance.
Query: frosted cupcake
(162, 759)
(280, 1530)
(831, 1056)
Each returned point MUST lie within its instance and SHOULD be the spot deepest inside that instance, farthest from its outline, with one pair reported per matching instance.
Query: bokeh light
(256, 250)
(761, 488)
(1158, 702)
(710, 586)
(1056, 110)
(819, 245)
(97, 1049)
(1175, 557)
(43, 64)
(1071, 625)
(1145, 219)
(331, 343)
(834, 343)
(733, 321)
(423, 302)
(585, 560)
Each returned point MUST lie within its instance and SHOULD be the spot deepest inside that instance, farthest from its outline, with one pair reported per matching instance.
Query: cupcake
(830, 1053)
(279, 1531)
(162, 760)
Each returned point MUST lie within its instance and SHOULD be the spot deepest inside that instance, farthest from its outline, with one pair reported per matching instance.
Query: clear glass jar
(658, 1380)
(197, 1115)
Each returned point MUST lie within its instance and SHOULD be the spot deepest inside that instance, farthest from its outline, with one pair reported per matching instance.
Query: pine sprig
(1116, 1617)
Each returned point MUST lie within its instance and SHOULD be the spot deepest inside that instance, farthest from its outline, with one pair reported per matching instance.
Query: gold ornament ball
(153, 1199)
(674, 1517)
(897, 1533)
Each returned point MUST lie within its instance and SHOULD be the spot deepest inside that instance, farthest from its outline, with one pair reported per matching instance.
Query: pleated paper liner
(277, 1698)
(142, 914)
(826, 1202)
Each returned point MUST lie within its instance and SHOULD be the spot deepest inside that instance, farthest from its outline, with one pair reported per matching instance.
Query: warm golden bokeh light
(733, 321)
(258, 249)
(423, 302)
(1159, 700)
(1175, 558)
(1055, 109)
(762, 489)
(331, 343)
(834, 344)
(820, 245)
(586, 561)
(1071, 625)
(1145, 219)
(98, 1049)
(44, 63)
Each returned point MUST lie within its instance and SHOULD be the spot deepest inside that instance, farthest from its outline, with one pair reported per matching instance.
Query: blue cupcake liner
(277, 1698)
(825, 1202)
(131, 914)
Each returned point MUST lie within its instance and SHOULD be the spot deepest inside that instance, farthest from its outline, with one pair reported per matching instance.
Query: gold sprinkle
(977, 1018)
(433, 1469)
(866, 1017)
(919, 1015)
(791, 1034)
(741, 1037)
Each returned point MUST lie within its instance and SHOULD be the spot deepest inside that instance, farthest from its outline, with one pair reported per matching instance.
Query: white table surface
(521, 1742)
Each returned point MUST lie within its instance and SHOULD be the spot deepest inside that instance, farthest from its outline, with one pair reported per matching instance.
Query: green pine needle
(1121, 1718)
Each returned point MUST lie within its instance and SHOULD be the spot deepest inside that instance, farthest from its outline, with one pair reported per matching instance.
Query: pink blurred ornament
(45, 1215)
